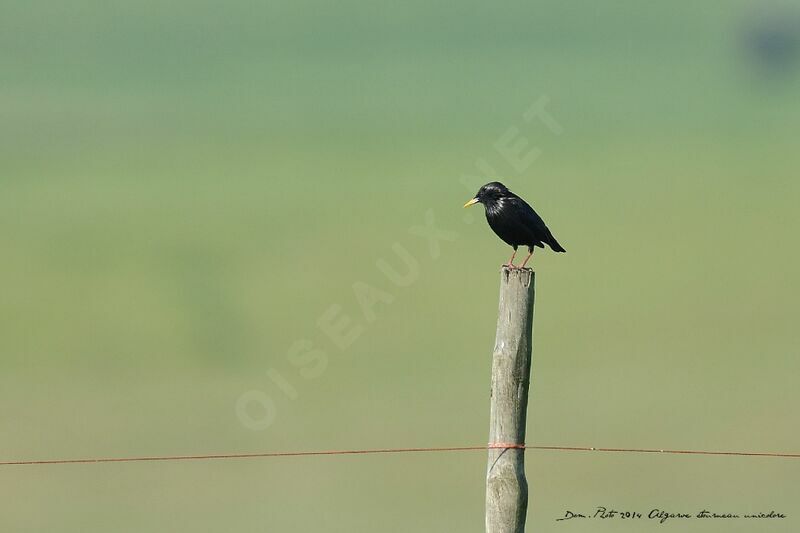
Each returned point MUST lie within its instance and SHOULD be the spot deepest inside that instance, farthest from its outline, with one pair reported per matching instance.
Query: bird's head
(490, 194)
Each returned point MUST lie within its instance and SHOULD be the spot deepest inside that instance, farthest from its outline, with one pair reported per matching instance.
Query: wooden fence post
(506, 486)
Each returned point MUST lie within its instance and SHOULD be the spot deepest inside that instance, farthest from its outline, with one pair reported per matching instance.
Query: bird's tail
(554, 243)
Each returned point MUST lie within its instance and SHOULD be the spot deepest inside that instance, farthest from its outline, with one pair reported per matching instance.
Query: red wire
(504, 446)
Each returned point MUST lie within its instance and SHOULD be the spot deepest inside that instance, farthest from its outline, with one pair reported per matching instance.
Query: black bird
(514, 221)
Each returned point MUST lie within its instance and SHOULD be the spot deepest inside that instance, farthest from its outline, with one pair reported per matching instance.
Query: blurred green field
(186, 188)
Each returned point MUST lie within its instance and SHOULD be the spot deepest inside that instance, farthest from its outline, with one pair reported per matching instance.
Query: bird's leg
(527, 258)
(511, 261)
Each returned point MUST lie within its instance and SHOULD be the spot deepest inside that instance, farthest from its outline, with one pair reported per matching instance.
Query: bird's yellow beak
(471, 202)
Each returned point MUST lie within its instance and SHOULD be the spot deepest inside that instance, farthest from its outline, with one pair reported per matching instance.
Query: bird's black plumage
(513, 220)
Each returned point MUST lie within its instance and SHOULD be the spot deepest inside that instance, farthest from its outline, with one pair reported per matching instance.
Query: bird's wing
(529, 218)
(535, 226)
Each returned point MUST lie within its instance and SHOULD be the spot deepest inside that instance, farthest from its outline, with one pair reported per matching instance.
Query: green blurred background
(186, 187)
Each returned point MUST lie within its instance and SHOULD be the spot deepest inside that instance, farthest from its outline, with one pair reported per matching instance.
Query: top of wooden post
(518, 275)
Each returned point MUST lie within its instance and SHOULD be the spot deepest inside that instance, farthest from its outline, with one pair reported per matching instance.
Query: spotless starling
(514, 221)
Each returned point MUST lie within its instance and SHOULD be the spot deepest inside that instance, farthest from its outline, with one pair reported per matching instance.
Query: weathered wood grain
(506, 486)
